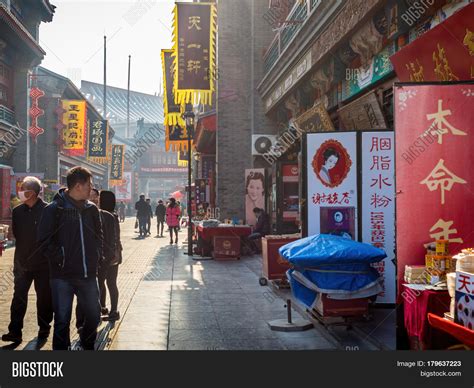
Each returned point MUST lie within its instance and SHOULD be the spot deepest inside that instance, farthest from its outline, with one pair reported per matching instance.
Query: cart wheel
(263, 281)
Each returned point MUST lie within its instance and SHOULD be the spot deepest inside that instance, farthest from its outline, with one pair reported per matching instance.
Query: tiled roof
(142, 105)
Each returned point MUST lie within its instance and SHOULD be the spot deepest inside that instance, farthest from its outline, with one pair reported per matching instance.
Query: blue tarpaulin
(333, 265)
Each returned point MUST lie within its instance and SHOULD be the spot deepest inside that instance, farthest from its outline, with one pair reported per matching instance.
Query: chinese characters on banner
(74, 126)
(117, 161)
(172, 111)
(378, 204)
(182, 159)
(445, 53)
(332, 184)
(194, 52)
(98, 136)
(434, 159)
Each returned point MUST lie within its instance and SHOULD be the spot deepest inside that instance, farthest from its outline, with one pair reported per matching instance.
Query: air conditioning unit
(261, 144)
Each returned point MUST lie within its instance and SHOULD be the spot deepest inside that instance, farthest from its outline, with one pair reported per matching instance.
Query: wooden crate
(274, 267)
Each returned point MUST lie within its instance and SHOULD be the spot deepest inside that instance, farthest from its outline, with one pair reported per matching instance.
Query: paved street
(171, 302)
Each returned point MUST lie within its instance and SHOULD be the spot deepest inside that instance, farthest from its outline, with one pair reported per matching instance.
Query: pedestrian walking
(149, 217)
(112, 255)
(121, 211)
(160, 213)
(142, 209)
(30, 265)
(172, 219)
(70, 234)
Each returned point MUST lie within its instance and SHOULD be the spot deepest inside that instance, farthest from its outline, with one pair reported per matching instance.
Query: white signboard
(124, 191)
(332, 183)
(378, 204)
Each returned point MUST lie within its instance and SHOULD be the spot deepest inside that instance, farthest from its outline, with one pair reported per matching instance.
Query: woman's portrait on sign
(331, 163)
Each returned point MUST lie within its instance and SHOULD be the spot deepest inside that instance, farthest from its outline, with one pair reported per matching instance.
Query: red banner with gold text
(434, 130)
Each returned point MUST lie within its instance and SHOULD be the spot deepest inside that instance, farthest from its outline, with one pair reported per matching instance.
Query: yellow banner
(74, 120)
(194, 48)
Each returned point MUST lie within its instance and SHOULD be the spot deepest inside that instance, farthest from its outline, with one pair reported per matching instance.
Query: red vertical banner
(434, 127)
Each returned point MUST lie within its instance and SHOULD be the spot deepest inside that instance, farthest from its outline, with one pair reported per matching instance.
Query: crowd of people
(68, 248)
(71, 247)
(170, 214)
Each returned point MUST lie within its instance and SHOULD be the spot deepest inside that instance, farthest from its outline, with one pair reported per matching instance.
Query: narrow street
(171, 302)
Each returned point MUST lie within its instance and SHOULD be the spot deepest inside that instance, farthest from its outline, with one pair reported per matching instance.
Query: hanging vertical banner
(378, 204)
(74, 126)
(117, 162)
(182, 159)
(35, 113)
(172, 111)
(435, 179)
(98, 138)
(332, 184)
(194, 38)
(176, 138)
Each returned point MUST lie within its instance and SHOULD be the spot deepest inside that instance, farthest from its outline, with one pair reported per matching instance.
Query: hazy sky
(73, 41)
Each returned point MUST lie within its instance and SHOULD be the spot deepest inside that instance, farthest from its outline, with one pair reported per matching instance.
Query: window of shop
(6, 85)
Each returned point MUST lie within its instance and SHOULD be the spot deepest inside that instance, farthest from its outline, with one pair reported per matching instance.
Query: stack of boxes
(438, 262)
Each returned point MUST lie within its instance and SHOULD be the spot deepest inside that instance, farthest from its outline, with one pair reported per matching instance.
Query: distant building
(150, 168)
(142, 106)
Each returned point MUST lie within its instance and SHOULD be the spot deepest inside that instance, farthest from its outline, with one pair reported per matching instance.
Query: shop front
(65, 163)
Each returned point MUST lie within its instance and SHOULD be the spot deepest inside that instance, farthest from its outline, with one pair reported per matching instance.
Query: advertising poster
(332, 183)
(254, 193)
(378, 204)
(435, 192)
(123, 192)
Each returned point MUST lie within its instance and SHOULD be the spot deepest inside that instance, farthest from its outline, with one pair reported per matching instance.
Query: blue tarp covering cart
(332, 265)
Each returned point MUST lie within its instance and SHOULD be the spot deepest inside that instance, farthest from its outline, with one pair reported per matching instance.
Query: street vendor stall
(222, 241)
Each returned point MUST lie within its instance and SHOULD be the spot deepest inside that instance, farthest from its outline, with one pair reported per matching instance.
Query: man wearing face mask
(30, 265)
(70, 235)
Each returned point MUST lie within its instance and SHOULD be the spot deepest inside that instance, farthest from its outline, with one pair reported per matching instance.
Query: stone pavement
(169, 301)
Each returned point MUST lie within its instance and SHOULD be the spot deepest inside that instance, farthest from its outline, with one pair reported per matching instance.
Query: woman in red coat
(172, 219)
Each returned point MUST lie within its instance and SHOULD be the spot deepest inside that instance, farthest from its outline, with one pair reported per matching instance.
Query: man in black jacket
(30, 265)
(160, 214)
(143, 211)
(262, 228)
(71, 237)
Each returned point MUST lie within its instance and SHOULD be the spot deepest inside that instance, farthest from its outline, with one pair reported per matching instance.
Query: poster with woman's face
(254, 193)
(332, 183)
(331, 163)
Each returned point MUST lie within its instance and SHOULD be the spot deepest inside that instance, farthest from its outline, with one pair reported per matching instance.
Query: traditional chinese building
(20, 52)
(329, 66)
(46, 153)
(148, 167)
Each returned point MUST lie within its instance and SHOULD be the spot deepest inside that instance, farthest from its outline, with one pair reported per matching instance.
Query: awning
(206, 133)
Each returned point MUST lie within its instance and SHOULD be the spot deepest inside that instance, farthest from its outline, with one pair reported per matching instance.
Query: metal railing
(7, 115)
(295, 21)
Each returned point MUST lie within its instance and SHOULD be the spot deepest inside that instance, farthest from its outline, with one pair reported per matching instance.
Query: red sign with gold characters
(434, 127)
(445, 53)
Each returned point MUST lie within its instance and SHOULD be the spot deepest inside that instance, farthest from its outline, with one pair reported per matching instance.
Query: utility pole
(128, 99)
